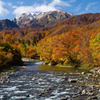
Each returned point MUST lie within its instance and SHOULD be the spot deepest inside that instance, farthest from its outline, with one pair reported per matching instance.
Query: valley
(51, 55)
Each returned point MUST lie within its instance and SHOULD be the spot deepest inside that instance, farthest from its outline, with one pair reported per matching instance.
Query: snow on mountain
(26, 18)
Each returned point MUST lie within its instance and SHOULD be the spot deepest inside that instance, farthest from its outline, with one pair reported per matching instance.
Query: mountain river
(42, 82)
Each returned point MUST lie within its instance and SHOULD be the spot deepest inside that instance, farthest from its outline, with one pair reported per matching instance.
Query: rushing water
(35, 82)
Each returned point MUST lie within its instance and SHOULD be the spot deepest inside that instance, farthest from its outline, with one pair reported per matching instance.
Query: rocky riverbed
(35, 82)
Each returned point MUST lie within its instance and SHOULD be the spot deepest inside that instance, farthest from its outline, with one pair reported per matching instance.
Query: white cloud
(55, 2)
(25, 9)
(59, 2)
(40, 8)
(3, 11)
(89, 5)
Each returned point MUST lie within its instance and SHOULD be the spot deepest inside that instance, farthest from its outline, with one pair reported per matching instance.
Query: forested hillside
(74, 41)
(77, 47)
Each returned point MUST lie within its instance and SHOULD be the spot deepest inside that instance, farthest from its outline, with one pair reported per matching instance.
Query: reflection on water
(63, 69)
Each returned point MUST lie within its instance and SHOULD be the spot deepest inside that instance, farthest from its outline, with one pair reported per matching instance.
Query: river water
(41, 82)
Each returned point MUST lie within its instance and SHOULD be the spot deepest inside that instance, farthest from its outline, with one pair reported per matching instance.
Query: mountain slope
(69, 24)
(72, 23)
(82, 19)
(76, 46)
(7, 24)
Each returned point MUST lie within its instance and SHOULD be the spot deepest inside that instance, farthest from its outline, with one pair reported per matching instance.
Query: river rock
(64, 98)
(72, 80)
(27, 95)
(83, 92)
(83, 73)
(74, 96)
(1, 81)
(96, 70)
(33, 79)
(92, 98)
(90, 93)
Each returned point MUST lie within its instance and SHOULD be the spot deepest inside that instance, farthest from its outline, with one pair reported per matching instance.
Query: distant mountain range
(47, 19)
(35, 20)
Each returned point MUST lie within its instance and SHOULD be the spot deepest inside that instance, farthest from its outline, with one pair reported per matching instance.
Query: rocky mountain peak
(41, 19)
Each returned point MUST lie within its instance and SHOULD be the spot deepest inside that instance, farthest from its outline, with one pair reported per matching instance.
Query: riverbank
(96, 70)
(10, 70)
(92, 69)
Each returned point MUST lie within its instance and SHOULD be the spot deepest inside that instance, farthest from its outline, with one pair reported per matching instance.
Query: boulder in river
(33, 79)
(83, 73)
(72, 80)
(83, 92)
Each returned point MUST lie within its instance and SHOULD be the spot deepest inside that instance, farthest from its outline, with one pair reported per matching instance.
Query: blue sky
(12, 8)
